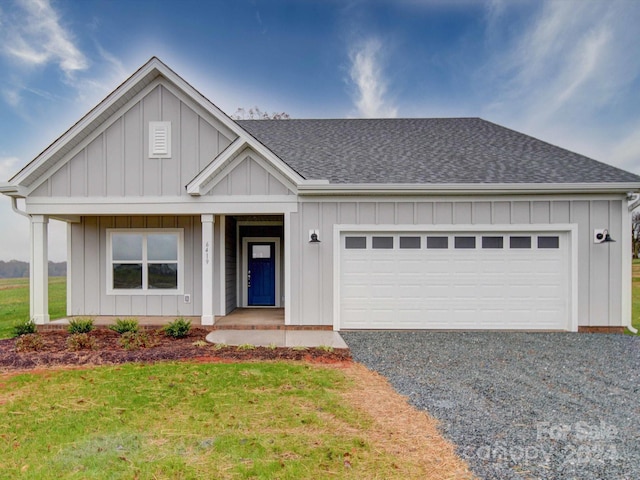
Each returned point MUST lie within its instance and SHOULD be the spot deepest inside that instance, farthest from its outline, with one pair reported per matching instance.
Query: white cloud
(8, 167)
(567, 77)
(367, 74)
(36, 37)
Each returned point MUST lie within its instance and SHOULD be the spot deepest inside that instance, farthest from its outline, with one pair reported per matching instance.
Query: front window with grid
(145, 261)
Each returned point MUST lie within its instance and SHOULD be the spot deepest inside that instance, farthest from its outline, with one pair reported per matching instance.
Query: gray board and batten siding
(599, 273)
(116, 162)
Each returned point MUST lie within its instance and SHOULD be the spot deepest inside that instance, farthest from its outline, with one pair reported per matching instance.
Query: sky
(564, 71)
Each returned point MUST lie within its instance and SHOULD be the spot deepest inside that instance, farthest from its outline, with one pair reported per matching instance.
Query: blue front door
(261, 277)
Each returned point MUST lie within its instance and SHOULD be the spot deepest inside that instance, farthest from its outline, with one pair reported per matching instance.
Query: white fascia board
(464, 188)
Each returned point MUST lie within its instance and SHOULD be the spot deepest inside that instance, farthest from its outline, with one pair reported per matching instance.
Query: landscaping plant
(179, 328)
(24, 328)
(124, 325)
(80, 325)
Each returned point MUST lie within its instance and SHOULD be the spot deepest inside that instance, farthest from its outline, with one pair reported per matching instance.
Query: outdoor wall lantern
(601, 235)
(313, 236)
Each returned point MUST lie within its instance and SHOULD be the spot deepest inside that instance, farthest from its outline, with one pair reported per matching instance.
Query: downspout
(634, 202)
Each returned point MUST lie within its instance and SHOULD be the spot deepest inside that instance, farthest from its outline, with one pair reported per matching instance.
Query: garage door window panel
(438, 242)
(410, 242)
(355, 243)
(519, 242)
(548, 242)
(492, 242)
(382, 242)
(465, 242)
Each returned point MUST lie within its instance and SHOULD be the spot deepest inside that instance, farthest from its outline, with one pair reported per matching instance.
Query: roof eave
(12, 190)
(465, 188)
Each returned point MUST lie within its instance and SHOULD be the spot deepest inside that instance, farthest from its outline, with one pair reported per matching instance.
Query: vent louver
(159, 139)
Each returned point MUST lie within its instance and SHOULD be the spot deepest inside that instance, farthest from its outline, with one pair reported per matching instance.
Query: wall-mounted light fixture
(313, 236)
(601, 235)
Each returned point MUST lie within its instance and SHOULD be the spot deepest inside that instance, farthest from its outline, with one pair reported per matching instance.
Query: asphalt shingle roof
(424, 150)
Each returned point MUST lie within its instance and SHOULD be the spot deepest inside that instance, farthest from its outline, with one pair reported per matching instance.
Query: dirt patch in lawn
(53, 351)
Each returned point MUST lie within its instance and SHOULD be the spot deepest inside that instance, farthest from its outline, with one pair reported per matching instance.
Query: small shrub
(29, 342)
(25, 327)
(81, 341)
(200, 343)
(246, 346)
(80, 325)
(272, 346)
(220, 346)
(124, 325)
(135, 340)
(325, 348)
(299, 348)
(179, 328)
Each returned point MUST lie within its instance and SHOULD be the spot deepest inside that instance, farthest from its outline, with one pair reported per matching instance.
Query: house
(174, 209)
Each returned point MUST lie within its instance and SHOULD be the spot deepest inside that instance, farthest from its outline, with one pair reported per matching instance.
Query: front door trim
(245, 267)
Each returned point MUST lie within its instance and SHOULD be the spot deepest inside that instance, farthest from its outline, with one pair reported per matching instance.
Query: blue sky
(567, 72)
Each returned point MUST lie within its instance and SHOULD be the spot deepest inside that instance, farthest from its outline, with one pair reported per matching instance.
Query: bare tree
(254, 113)
(635, 233)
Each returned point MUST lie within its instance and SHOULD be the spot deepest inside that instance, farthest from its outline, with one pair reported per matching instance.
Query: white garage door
(493, 280)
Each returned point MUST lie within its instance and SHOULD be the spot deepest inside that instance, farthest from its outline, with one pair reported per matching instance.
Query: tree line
(18, 269)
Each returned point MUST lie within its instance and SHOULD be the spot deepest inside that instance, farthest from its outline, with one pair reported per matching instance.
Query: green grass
(187, 421)
(14, 301)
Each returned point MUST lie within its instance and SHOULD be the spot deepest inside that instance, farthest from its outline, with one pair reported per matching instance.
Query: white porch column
(39, 270)
(208, 317)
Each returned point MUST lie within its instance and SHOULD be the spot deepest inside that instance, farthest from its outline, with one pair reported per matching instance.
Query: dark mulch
(55, 352)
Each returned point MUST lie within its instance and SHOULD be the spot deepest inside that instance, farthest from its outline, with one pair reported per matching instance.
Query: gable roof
(425, 151)
(49, 160)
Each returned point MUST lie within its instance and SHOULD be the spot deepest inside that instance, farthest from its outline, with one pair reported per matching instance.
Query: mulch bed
(107, 351)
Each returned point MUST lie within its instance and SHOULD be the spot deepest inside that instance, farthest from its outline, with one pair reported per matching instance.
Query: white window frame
(145, 287)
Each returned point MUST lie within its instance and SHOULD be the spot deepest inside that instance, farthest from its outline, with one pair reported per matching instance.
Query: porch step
(278, 338)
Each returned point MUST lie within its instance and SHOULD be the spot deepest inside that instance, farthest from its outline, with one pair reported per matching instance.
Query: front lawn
(185, 420)
(14, 301)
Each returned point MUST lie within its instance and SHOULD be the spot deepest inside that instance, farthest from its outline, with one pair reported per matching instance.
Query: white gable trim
(232, 156)
(226, 162)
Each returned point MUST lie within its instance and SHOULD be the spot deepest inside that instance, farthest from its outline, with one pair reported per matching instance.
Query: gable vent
(159, 139)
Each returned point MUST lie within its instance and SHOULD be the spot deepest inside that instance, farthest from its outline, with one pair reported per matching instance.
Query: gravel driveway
(521, 405)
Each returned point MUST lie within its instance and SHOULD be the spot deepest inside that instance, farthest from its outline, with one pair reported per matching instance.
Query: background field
(14, 301)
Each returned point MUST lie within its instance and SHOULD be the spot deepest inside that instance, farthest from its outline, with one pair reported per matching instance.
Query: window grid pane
(520, 242)
(492, 242)
(465, 242)
(162, 246)
(355, 242)
(382, 242)
(127, 276)
(163, 276)
(410, 242)
(437, 242)
(549, 242)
